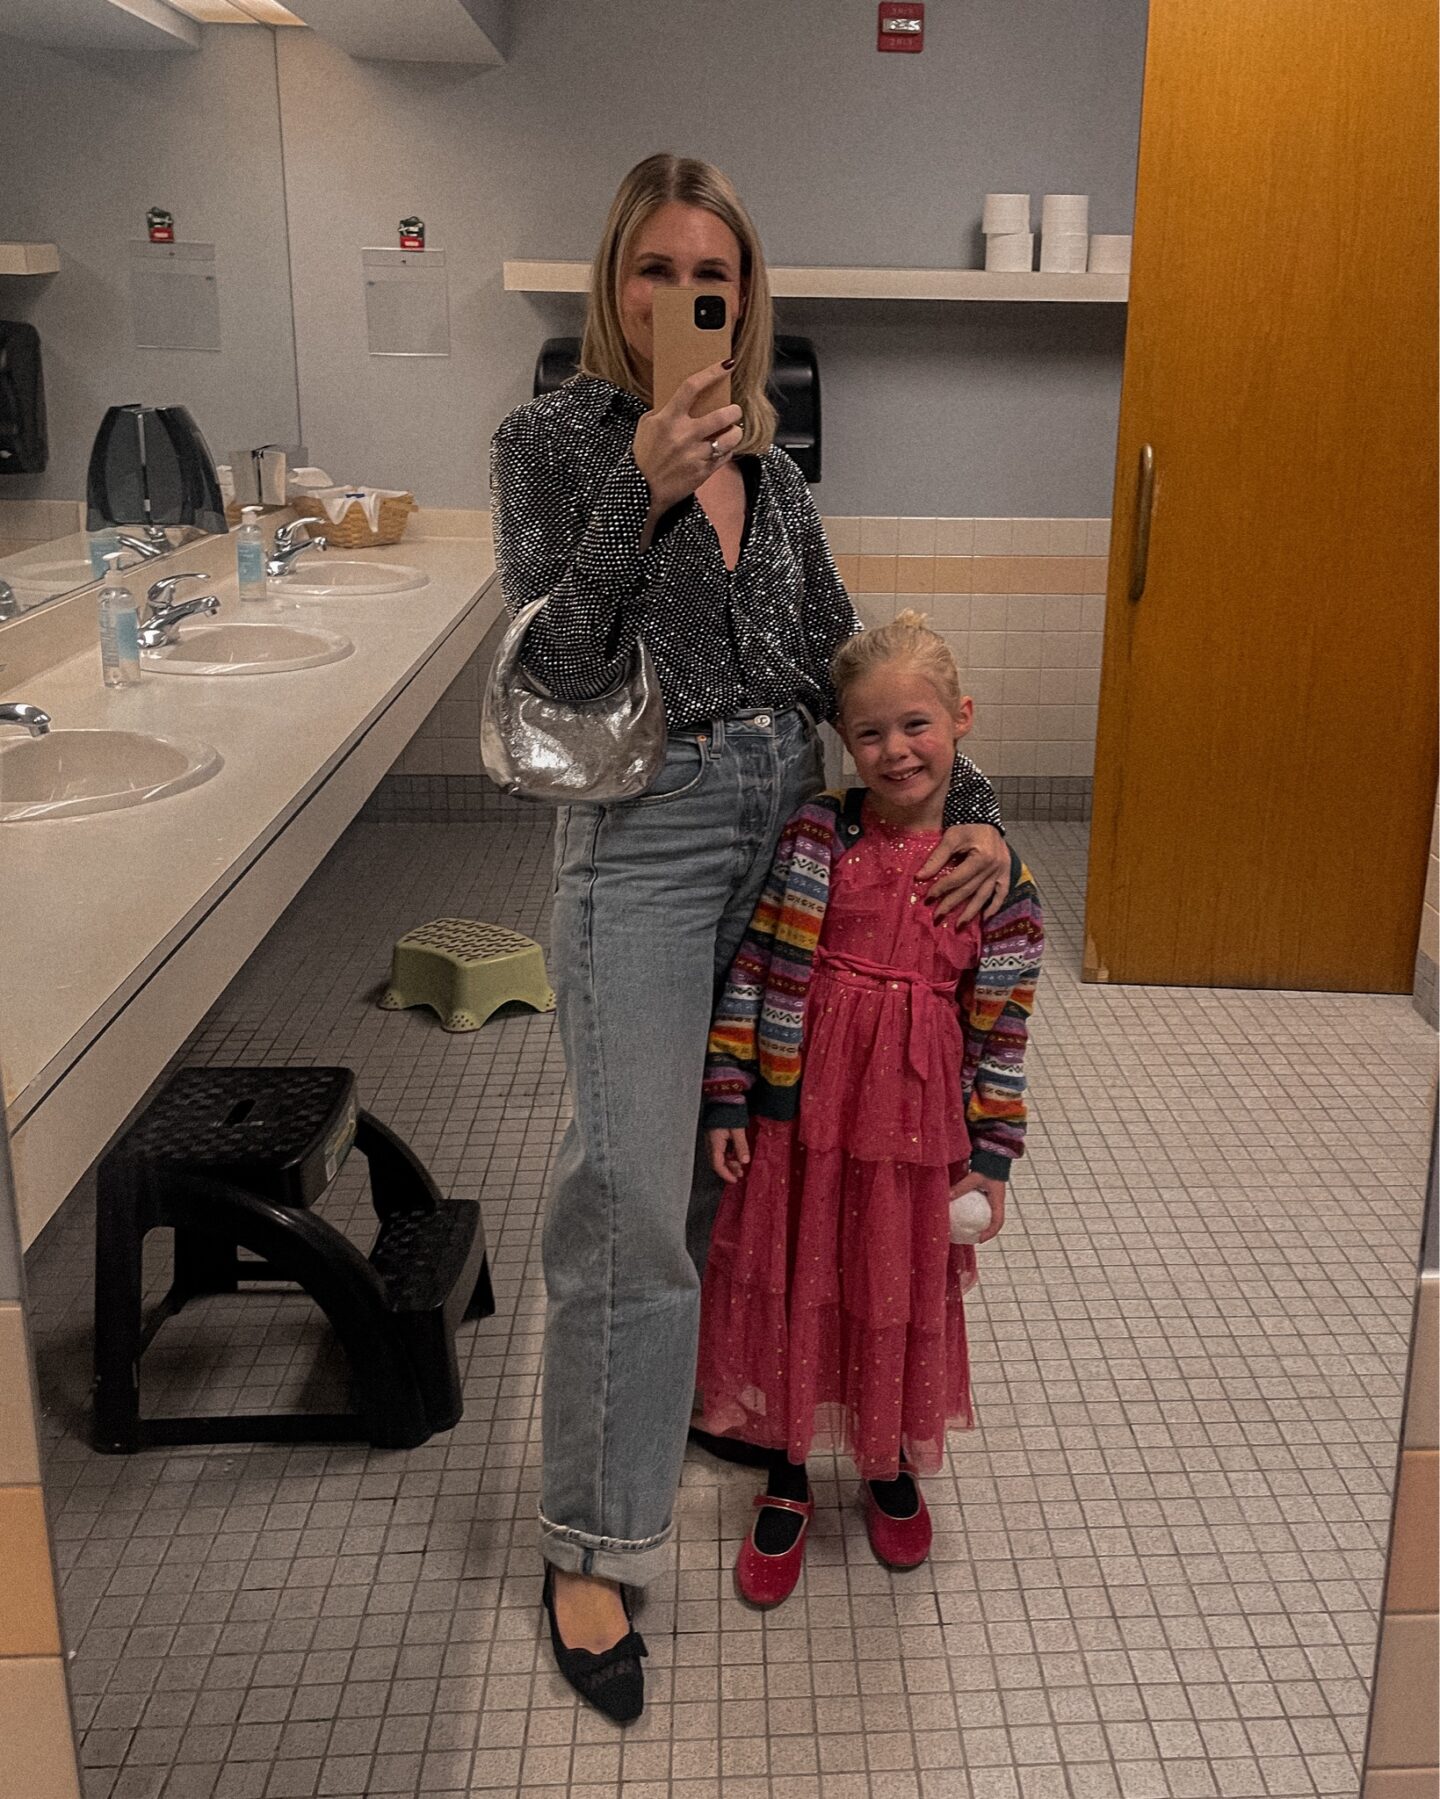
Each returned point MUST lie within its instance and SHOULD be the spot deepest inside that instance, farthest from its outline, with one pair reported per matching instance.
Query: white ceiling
(100, 25)
(451, 31)
(444, 31)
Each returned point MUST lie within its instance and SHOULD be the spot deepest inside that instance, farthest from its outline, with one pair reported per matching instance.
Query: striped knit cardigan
(753, 1061)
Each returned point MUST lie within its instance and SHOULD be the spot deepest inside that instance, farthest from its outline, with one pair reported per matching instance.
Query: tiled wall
(1021, 601)
(1403, 1758)
(38, 1761)
(1427, 975)
(24, 523)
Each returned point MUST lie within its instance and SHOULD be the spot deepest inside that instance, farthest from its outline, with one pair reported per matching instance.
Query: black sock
(898, 1498)
(777, 1531)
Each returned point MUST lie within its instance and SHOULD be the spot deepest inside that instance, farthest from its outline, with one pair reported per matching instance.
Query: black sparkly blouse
(569, 509)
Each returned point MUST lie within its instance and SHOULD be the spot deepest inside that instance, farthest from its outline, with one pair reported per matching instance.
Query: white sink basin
(246, 649)
(70, 773)
(41, 578)
(322, 575)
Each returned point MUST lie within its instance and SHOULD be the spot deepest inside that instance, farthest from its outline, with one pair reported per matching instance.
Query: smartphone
(693, 328)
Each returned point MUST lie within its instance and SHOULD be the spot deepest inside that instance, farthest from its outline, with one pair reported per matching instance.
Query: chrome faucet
(162, 592)
(148, 548)
(29, 718)
(162, 622)
(288, 546)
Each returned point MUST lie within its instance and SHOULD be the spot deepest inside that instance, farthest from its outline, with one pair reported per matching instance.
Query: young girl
(833, 1296)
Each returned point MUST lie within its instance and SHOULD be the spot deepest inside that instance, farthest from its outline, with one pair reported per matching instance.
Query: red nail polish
(728, 365)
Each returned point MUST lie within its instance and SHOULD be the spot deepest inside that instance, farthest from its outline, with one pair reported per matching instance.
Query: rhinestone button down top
(569, 509)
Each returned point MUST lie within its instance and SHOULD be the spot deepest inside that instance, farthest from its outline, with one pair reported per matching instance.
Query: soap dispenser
(250, 555)
(119, 629)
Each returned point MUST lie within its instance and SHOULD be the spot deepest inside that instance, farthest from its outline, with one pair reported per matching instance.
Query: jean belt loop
(717, 737)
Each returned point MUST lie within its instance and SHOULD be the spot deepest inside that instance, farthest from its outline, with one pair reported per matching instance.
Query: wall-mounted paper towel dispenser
(24, 448)
(794, 388)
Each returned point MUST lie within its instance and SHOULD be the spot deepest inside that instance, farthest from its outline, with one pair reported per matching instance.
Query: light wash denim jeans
(652, 898)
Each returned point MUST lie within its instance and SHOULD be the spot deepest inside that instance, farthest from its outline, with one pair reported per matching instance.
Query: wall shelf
(863, 284)
(29, 259)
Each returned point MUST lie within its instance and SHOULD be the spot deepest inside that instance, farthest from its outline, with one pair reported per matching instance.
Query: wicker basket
(352, 533)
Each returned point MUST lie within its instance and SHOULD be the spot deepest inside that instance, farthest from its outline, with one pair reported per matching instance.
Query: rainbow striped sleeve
(996, 1008)
(755, 1034)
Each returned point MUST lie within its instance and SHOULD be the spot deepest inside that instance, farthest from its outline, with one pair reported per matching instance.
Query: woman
(701, 536)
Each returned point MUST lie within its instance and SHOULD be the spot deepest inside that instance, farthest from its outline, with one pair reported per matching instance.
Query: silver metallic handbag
(563, 751)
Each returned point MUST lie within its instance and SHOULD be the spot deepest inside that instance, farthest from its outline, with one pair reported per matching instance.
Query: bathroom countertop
(93, 906)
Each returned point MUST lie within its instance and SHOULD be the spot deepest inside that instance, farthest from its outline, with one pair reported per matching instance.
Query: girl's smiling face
(677, 245)
(902, 735)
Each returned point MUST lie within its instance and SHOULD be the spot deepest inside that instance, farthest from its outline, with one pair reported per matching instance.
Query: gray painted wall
(87, 146)
(843, 155)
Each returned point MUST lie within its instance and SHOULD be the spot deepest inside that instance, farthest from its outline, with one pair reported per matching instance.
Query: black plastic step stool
(233, 1159)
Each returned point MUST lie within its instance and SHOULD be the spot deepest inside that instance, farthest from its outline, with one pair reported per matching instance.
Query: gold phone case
(682, 347)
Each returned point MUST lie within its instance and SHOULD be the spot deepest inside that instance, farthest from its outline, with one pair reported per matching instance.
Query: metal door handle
(1144, 505)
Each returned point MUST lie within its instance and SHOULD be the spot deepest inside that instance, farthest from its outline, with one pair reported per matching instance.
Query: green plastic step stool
(465, 970)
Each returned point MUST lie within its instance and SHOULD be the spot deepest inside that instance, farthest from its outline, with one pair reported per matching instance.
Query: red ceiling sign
(901, 26)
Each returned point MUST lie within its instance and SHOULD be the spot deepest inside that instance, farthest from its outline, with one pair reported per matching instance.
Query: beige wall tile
(1097, 538)
(875, 573)
(954, 537)
(1413, 1584)
(1422, 1405)
(847, 566)
(19, 1448)
(843, 534)
(994, 536)
(954, 574)
(39, 1760)
(874, 608)
(1404, 1732)
(950, 611)
(879, 536)
(991, 574)
(915, 574)
(28, 1621)
(1068, 536)
(1030, 537)
(1096, 572)
(916, 537)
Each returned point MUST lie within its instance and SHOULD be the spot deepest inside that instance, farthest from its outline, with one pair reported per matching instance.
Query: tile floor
(1157, 1561)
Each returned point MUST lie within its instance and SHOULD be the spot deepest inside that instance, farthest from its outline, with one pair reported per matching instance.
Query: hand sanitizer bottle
(250, 556)
(119, 629)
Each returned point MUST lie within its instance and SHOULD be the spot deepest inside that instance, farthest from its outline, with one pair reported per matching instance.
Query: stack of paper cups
(1110, 253)
(1009, 241)
(1010, 252)
(1064, 233)
(1006, 214)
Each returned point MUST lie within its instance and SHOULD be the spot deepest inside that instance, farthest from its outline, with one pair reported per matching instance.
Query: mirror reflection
(165, 298)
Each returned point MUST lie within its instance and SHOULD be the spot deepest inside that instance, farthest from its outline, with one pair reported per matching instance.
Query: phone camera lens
(710, 312)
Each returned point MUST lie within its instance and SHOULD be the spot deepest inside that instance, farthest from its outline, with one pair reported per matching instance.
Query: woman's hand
(674, 452)
(970, 870)
(994, 1191)
(729, 1154)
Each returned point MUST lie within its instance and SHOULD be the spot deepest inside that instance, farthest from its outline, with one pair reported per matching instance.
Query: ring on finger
(715, 451)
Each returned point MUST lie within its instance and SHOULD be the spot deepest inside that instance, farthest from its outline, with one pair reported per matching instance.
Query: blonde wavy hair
(604, 351)
(908, 638)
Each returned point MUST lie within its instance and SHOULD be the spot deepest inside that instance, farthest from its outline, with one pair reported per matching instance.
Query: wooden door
(1266, 756)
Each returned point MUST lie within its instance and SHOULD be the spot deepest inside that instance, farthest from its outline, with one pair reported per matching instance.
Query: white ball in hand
(969, 1216)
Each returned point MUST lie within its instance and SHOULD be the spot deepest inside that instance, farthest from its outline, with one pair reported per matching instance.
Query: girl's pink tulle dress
(833, 1307)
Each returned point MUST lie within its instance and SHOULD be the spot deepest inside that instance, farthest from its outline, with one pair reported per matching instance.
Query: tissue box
(353, 531)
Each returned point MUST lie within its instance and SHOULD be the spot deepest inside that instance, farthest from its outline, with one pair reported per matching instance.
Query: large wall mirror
(90, 144)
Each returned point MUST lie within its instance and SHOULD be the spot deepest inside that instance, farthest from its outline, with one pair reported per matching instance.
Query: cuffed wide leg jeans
(652, 898)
